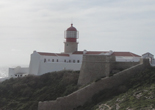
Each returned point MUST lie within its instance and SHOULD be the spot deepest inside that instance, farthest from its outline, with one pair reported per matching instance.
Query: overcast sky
(118, 25)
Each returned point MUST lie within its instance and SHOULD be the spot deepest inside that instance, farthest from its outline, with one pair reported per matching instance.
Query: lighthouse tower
(71, 36)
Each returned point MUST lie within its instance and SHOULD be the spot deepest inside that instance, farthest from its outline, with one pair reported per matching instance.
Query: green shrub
(25, 93)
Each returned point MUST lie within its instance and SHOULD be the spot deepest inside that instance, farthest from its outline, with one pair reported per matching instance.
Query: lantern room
(71, 34)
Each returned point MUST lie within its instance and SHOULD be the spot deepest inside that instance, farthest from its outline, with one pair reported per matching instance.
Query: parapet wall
(81, 96)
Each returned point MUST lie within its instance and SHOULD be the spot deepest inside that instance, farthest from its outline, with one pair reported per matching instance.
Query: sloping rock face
(141, 98)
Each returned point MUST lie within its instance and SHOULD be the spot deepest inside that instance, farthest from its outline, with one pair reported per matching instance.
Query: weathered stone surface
(98, 66)
(94, 67)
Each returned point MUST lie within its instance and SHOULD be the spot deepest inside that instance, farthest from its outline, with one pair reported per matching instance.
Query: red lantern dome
(71, 28)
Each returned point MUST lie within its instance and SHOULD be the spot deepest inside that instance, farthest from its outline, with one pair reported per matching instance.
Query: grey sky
(28, 25)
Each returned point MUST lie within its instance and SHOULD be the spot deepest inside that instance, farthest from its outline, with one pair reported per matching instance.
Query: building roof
(147, 53)
(114, 53)
(90, 52)
(125, 54)
(71, 28)
(47, 54)
(53, 54)
(78, 52)
(96, 52)
(62, 54)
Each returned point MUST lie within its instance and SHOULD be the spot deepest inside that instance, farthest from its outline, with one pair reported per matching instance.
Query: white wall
(34, 63)
(18, 71)
(41, 64)
(50, 66)
(58, 66)
(55, 58)
(76, 58)
(127, 59)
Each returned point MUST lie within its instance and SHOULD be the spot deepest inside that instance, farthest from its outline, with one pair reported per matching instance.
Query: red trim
(67, 55)
(53, 54)
(90, 52)
(126, 54)
(70, 39)
(78, 52)
(47, 54)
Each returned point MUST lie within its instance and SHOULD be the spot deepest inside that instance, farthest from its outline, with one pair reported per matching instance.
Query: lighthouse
(71, 36)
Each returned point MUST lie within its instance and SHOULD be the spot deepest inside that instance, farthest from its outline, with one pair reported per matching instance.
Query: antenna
(71, 20)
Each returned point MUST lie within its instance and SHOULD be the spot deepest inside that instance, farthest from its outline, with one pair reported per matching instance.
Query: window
(71, 34)
(78, 61)
(44, 60)
(57, 60)
(69, 61)
(73, 61)
(52, 60)
(64, 60)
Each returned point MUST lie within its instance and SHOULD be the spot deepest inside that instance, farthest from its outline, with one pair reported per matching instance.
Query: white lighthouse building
(70, 59)
(44, 62)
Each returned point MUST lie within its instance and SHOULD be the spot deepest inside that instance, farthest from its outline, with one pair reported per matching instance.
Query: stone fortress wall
(95, 66)
(99, 66)
(85, 94)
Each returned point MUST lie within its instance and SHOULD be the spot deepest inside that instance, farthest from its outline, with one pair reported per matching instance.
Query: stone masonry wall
(81, 96)
(94, 67)
(98, 66)
(123, 65)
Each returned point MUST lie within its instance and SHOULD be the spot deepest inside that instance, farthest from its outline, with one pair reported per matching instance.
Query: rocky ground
(142, 98)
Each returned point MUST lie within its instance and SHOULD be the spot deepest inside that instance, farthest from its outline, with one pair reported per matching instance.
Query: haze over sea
(4, 71)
